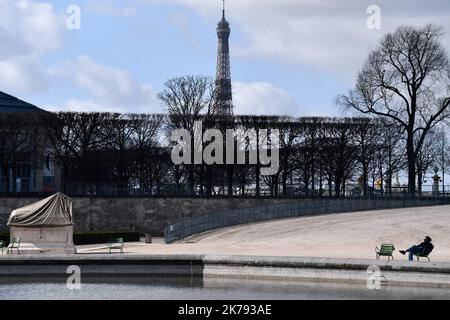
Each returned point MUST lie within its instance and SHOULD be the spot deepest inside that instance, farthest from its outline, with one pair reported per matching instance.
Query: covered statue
(45, 226)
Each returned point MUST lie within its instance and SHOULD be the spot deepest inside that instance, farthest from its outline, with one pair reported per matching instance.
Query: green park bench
(386, 250)
(116, 244)
(14, 245)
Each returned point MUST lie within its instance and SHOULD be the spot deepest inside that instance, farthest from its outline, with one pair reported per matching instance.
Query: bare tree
(391, 155)
(406, 79)
(290, 130)
(119, 132)
(17, 144)
(340, 153)
(366, 139)
(308, 150)
(145, 142)
(442, 160)
(60, 132)
(425, 158)
(189, 99)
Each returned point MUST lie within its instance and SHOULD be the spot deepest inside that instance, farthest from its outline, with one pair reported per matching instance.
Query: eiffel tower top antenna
(224, 90)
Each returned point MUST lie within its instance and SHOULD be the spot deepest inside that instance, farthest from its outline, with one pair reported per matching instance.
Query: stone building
(26, 164)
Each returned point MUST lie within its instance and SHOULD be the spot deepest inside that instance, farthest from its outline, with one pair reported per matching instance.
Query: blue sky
(288, 56)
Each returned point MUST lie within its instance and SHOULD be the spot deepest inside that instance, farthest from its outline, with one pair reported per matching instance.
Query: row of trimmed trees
(126, 154)
(399, 112)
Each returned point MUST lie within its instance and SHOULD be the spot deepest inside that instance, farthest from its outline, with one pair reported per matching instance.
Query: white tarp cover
(54, 211)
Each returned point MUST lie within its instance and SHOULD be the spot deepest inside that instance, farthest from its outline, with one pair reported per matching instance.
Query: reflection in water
(144, 288)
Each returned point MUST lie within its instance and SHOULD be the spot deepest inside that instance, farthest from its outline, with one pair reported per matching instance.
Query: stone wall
(135, 214)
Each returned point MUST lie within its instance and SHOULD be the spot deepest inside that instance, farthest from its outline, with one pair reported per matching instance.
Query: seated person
(425, 247)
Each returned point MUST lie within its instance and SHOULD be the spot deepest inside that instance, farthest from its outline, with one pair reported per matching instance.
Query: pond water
(185, 289)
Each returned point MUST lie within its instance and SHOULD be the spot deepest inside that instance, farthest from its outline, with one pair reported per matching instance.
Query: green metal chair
(386, 250)
(15, 244)
(116, 244)
(422, 254)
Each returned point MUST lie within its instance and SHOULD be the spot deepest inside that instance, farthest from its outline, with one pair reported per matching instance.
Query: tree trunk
(443, 182)
(419, 181)
(258, 168)
(230, 180)
(411, 166)
(191, 179)
(337, 188)
(202, 170)
(320, 184)
(365, 180)
(284, 182)
(14, 178)
(313, 177)
(381, 180)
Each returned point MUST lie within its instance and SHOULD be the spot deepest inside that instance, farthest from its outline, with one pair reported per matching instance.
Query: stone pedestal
(388, 184)
(51, 240)
(436, 181)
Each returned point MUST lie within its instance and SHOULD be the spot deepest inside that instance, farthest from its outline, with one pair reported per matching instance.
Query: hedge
(80, 238)
(103, 237)
(4, 237)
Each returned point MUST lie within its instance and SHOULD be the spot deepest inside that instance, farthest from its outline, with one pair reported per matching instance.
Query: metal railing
(196, 225)
(291, 190)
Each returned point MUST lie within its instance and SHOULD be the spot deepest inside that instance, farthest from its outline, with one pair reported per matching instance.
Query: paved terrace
(347, 236)
(326, 248)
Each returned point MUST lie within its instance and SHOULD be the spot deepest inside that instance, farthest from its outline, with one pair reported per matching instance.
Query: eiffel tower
(224, 92)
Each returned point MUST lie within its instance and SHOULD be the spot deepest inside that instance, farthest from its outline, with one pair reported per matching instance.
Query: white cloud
(325, 35)
(28, 30)
(88, 105)
(32, 27)
(20, 75)
(182, 24)
(77, 105)
(262, 98)
(110, 8)
(110, 89)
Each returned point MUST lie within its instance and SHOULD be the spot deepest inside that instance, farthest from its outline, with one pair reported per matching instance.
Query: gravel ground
(349, 235)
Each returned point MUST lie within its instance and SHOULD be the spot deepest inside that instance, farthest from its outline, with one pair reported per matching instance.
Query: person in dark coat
(425, 248)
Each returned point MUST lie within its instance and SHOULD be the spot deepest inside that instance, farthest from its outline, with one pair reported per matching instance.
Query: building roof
(9, 103)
